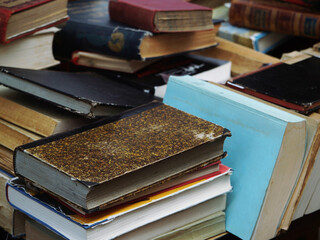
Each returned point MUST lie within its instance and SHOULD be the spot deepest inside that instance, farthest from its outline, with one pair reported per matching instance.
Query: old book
(294, 86)
(167, 16)
(198, 222)
(243, 58)
(122, 219)
(32, 52)
(84, 93)
(35, 231)
(270, 164)
(96, 60)
(6, 160)
(22, 18)
(275, 16)
(12, 221)
(35, 115)
(90, 29)
(138, 147)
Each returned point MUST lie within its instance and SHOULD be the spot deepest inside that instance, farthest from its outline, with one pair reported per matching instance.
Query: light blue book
(266, 152)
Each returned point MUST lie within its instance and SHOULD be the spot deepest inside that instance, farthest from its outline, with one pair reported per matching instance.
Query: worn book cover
(90, 29)
(164, 16)
(23, 17)
(293, 86)
(122, 155)
(85, 93)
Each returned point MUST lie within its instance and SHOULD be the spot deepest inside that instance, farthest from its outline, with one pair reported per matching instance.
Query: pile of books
(129, 166)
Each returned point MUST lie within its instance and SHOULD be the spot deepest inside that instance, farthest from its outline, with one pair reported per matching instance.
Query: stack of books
(99, 37)
(27, 30)
(125, 156)
(153, 163)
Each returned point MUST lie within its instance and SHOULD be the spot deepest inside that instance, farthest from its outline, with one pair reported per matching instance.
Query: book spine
(4, 18)
(132, 15)
(118, 42)
(271, 18)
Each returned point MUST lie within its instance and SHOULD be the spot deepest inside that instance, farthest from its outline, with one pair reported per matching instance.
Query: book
(119, 220)
(266, 167)
(35, 115)
(184, 225)
(32, 52)
(96, 60)
(305, 3)
(13, 136)
(22, 18)
(153, 78)
(35, 230)
(260, 41)
(293, 86)
(6, 160)
(169, 16)
(243, 58)
(90, 29)
(275, 16)
(12, 221)
(138, 147)
(86, 93)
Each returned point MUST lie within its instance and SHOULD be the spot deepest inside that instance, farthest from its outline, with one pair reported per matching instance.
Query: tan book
(6, 159)
(35, 115)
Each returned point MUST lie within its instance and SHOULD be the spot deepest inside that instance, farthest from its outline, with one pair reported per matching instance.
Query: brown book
(6, 159)
(117, 157)
(275, 16)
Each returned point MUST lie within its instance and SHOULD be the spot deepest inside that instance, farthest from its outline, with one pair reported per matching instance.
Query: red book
(275, 16)
(161, 16)
(19, 18)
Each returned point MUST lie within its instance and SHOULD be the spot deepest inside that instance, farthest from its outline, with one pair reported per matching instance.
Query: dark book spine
(267, 17)
(305, 3)
(76, 36)
(132, 15)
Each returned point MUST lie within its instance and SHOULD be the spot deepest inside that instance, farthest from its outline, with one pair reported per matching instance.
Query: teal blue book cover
(259, 132)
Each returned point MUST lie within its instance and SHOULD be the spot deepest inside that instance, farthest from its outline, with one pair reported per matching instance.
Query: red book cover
(11, 7)
(141, 13)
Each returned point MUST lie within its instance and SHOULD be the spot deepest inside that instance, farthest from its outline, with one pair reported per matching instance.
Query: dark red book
(24, 17)
(161, 16)
(275, 16)
(295, 86)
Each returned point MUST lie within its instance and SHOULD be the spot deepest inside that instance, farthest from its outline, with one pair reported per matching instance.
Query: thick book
(164, 16)
(294, 86)
(85, 93)
(22, 18)
(90, 29)
(121, 219)
(266, 167)
(275, 16)
(131, 152)
(33, 51)
(6, 160)
(35, 115)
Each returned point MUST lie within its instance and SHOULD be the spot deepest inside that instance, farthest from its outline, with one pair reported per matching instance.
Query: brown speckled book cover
(111, 149)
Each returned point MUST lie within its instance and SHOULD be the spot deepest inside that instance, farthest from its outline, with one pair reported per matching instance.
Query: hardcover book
(24, 17)
(90, 29)
(140, 148)
(294, 86)
(119, 220)
(275, 16)
(266, 152)
(32, 51)
(164, 16)
(85, 93)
